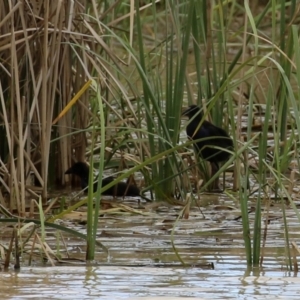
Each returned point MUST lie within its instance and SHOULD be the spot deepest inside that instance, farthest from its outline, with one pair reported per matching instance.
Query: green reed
(190, 64)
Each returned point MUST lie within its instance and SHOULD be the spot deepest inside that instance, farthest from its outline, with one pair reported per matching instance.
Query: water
(142, 263)
(225, 282)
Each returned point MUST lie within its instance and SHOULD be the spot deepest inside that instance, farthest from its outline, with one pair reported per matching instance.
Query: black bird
(121, 189)
(212, 136)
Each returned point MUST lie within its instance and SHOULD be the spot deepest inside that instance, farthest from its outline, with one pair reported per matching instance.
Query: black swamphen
(210, 137)
(121, 189)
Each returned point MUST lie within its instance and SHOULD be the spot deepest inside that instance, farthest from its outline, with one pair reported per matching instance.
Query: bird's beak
(184, 111)
(69, 171)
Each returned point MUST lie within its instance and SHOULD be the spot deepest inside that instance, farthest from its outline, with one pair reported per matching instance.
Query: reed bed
(143, 63)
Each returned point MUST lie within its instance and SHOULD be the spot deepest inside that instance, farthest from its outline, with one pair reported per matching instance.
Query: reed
(275, 113)
(43, 61)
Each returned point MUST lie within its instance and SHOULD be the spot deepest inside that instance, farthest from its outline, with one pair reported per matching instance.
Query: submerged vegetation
(106, 82)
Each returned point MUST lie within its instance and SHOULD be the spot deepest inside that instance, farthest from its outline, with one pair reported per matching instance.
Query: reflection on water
(150, 282)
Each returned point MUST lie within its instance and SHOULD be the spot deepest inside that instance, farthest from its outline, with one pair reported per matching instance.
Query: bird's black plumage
(121, 189)
(208, 137)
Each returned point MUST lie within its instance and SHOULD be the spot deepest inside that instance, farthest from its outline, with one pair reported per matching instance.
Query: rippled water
(225, 282)
(142, 263)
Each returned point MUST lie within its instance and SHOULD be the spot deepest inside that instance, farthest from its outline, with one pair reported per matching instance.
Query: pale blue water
(225, 282)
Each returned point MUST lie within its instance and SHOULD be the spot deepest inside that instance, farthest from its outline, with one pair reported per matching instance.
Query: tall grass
(43, 62)
(163, 93)
(276, 111)
(147, 62)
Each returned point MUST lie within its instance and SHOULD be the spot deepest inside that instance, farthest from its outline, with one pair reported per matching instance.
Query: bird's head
(80, 169)
(191, 111)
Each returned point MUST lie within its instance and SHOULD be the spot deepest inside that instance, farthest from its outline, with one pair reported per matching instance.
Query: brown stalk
(49, 49)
